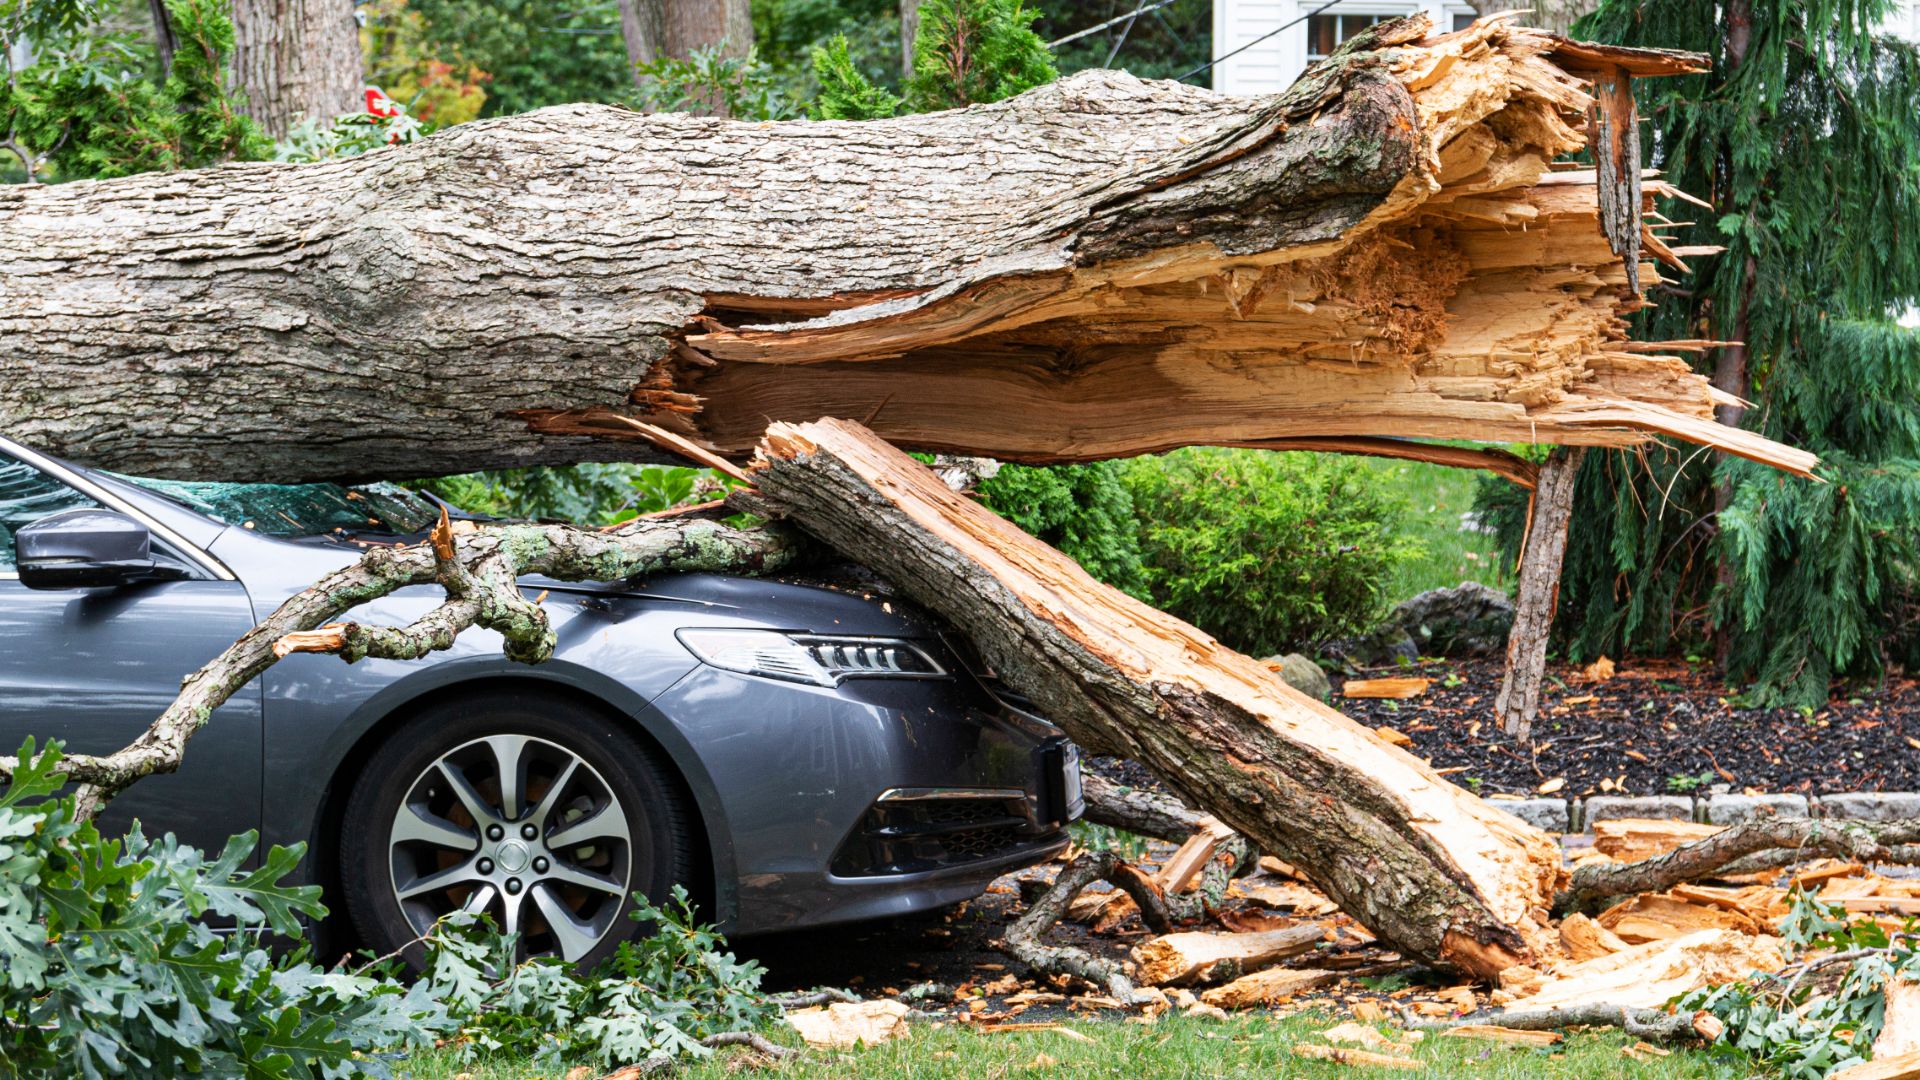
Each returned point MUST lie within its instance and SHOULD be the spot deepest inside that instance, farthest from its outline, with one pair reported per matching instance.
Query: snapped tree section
(1435, 871)
(1100, 267)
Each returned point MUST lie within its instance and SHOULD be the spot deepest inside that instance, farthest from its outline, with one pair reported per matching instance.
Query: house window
(1326, 32)
(1462, 20)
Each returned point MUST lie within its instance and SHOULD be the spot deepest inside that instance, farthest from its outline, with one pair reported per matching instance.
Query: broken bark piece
(1386, 688)
(1199, 957)
(1585, 939)
(1430, 869)
(1898, 1067)
(866, 1023)
(1634, 839)
(1342, 1056)
(1657, 917)
(1649, 975)
(1511, 1036)
(1352, 1033)
(1098, 267)
(1900, 1029)
(1269, 987)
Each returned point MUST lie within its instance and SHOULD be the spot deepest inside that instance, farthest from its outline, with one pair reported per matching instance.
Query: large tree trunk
(295, 60)
(658, 29)
(1426, 866)
(1099, 267)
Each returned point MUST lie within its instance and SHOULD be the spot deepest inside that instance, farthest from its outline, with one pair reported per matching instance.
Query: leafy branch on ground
(1822, 1012)
(110, 965)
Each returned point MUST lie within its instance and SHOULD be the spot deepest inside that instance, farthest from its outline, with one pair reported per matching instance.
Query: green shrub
(1267, 552)
(1084, 510)
(110, 966)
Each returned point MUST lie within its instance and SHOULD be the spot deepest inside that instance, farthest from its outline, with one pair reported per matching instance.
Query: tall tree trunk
(1730, 374)
(1538, 592)
(1557, 16)
(909, 30)
(295, 60)
(1097, 268)
(656, 29)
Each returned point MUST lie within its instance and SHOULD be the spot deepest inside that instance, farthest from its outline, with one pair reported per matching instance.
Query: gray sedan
(796, 754)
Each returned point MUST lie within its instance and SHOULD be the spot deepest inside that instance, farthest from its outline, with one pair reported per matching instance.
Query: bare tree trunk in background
(1538, 592)
(675, 28)
(296, 59)
(909, 29)
(1730, 364)
(163, 42)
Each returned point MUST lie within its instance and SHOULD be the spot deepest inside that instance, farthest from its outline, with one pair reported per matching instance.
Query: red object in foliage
(379, 106)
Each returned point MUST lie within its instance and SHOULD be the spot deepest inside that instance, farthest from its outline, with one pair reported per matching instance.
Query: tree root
(479, 570)
(1783, 840)
(1650, 1024)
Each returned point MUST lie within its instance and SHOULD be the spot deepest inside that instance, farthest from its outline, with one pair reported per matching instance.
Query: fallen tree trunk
(1097, 268)
(1430, 869)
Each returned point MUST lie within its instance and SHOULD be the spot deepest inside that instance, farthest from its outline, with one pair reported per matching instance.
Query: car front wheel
(544, 816)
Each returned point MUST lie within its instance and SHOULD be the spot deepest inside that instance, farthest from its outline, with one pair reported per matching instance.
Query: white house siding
(1273, 64)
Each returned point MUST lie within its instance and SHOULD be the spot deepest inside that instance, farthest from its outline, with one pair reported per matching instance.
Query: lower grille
(916, 834)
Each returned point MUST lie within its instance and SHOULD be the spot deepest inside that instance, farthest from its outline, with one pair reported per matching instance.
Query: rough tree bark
(1099, 267)
(1426, 866)
(296, 59)
(1537, 592)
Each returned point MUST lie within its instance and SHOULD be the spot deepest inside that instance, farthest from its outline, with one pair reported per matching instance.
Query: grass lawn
(1435, 497)
(1251, 1046)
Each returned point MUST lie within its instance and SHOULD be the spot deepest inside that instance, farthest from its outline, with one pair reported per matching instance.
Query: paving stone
(1658, 807)
(1735, 809)
(1870, 805)
(1553, 815)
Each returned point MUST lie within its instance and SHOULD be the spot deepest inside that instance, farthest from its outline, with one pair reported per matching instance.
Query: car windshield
(290, 510)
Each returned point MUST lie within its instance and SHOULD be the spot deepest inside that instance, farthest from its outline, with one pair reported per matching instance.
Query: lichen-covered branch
(1023, 938)
(478, 568)
(1654, 1025)
(1725, 851)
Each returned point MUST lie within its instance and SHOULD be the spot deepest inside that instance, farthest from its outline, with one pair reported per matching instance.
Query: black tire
(660, 826)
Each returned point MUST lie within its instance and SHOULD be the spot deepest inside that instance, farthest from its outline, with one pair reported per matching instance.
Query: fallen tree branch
(1651, 1024)
(1436, 873)
(477, 568)
(1790, 839)
(1143, 813)
(1023, 938)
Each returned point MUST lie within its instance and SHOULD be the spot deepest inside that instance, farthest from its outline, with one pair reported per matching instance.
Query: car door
(94, 667)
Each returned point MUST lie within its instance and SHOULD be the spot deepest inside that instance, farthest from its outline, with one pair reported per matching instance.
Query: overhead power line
(1255, 41)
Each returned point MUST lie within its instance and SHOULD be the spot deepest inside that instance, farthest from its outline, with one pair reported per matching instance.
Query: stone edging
(1578, 815)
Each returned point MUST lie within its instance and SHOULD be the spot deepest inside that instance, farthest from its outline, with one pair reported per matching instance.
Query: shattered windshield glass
(290, 510)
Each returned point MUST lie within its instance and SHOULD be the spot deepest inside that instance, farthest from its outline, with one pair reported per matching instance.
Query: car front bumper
(872, 799)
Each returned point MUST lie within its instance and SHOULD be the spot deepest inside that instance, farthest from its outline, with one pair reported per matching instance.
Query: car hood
(843, 601)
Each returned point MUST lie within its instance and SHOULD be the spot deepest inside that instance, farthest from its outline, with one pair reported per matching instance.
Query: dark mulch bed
(1655, 727)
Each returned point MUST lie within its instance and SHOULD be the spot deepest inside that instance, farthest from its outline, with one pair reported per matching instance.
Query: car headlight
(820, 659)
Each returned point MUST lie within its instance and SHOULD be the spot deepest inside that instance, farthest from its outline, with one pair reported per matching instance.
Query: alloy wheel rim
(520, 829)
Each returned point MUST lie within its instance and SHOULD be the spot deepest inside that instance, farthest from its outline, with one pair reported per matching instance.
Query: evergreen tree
(968, 52)
(86, 105)
(1805, 136)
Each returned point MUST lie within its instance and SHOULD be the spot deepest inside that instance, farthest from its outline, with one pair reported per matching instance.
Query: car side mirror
(86, 548)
